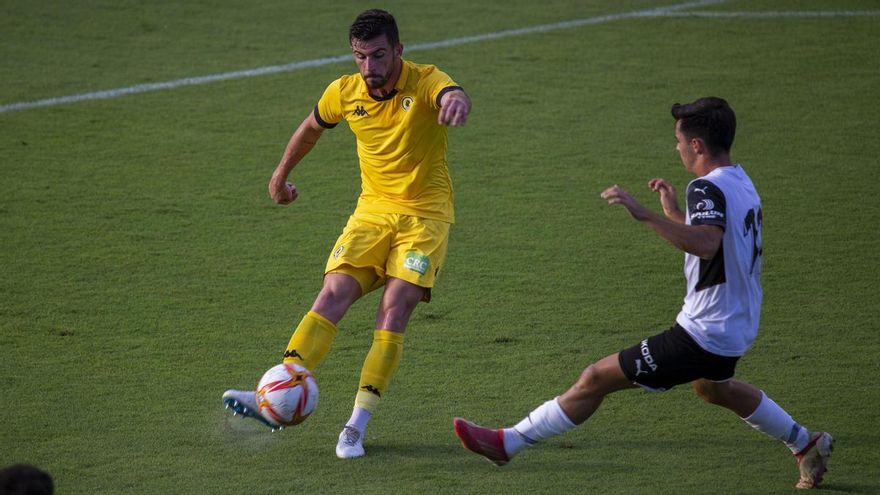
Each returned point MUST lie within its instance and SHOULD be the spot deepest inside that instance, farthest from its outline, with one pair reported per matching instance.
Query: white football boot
(350, 444)
(244, 402)
(813, 460)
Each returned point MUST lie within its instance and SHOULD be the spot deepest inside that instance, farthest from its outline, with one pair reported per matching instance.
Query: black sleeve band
(446, 90)
(706, 204)
(321, 122)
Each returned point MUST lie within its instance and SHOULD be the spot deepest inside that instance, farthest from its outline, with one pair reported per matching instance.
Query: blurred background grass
(145, 270)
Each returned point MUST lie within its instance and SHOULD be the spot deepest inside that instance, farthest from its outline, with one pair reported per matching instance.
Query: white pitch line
(543, 28)
(776, 13)
(668, 11)
(275, 69)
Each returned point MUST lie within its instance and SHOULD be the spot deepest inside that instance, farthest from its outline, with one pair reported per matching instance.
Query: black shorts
(671, 358)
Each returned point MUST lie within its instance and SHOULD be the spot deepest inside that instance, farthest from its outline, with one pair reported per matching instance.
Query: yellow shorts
(378, 246)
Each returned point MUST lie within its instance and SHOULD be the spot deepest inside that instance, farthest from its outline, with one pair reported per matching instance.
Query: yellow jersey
(400, 145)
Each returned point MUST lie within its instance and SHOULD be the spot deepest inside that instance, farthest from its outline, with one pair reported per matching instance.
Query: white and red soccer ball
(287, 394)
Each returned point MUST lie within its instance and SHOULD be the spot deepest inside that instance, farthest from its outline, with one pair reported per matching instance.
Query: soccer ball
(287, 394)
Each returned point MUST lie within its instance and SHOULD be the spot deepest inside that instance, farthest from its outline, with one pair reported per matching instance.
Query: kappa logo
(360, 111)
(371, 389)
(291, 353)
(406, 103)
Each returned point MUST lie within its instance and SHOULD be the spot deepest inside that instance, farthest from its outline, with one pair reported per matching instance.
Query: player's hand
(615, 195)
(668, 197)
(454, 110)
(281, 191)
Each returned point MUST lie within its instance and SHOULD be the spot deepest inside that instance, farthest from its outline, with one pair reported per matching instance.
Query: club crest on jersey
(406, 102)
(416, 262)
(705, 205)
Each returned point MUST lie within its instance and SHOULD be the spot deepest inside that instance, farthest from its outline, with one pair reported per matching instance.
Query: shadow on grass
(454, 457)
(577, 465)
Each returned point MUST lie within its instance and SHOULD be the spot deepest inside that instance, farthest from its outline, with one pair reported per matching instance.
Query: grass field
(144, 269)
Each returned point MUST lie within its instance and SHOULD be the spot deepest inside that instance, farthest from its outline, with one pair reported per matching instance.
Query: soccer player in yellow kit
(397, 236)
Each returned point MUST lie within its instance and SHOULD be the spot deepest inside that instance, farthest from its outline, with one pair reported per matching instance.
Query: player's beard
(375, 81)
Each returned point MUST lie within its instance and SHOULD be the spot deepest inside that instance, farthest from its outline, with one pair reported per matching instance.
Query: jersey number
(752, 226)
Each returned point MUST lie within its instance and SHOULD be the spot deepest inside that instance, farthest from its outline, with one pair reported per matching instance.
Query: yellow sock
(310, 341)
(379, 367)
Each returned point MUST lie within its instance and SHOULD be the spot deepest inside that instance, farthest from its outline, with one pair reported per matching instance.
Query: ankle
(359, 419)
(514, 441)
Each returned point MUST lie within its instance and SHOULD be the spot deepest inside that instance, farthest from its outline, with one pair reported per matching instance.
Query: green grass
(144, 269)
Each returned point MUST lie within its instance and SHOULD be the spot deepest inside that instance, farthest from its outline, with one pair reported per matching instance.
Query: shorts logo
(406, 102)
(647, 358)
(416, 262)
(338, 252)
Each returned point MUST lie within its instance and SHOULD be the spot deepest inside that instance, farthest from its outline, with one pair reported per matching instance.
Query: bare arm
(699, 240)
(668, 199)
(455, 106)
(303, 140)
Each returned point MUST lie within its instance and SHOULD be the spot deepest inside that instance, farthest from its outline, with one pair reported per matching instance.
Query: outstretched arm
(668, 199)
(455, 106)
(699, 240)
(303, 140)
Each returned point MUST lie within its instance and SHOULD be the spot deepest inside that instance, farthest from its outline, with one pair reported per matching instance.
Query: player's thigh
(361, 251)
(671, 358)
(339, 292)
(603, 377)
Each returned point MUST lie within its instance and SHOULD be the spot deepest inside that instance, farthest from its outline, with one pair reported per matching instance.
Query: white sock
(546, 421)
(773, 421)
(359, 418)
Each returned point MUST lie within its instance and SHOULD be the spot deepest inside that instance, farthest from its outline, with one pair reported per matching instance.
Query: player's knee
(335, 299)
(330, 299)
(711, 392)
(590, 381)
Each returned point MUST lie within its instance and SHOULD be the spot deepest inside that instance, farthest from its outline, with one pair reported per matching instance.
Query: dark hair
(710, 119)
(24, 479)
(372, 24)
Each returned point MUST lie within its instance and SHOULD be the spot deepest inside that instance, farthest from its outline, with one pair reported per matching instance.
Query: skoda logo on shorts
(406, 102)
